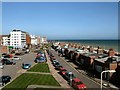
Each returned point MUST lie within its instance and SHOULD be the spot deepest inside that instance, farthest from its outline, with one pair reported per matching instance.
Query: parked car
(54, 61)
(40, 53)
(62, 71)
(40, 59)
(4, 80)
(26, 66)
(78, 84)
(52, 58)
(27, 51)
(18, 53)
(7, 62)
(69, 76)
(4, 54)
(1, 66)
(16, 58)
(57, 65)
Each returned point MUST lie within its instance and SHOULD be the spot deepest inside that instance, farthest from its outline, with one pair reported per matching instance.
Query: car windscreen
(79, 83)
(41, 58)
(26, 64)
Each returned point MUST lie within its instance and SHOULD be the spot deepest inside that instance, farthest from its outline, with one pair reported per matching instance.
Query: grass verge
(24, 80)
(40, 67)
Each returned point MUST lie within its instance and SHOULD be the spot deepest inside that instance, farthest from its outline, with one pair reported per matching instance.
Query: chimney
(99, 50)
(111, 52)
(91, 49)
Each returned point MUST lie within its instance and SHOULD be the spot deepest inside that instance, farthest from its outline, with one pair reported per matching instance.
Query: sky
(62, 20)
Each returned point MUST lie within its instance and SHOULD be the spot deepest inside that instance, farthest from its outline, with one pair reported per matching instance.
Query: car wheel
(2, 84)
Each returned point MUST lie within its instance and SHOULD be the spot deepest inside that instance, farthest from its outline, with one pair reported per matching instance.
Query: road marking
(21, 71)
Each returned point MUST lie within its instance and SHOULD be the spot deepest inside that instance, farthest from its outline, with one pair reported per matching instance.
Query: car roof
(26, 64)
(63, 68)
(76, 79)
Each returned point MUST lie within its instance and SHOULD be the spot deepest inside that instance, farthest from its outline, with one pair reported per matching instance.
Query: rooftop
(103, 60)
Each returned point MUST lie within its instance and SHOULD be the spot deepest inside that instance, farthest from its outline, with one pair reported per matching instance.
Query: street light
(70, 73)
(102, 74)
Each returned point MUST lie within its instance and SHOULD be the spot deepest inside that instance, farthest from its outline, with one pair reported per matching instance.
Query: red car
(78, 85)
(62, 71)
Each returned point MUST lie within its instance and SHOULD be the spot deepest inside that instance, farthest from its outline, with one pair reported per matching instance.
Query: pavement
(58, 77)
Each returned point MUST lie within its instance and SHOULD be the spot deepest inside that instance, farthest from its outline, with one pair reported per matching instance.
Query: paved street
(15, 70)
(89, 82)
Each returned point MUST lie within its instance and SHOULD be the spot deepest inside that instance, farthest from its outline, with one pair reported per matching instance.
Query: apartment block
(16, 39)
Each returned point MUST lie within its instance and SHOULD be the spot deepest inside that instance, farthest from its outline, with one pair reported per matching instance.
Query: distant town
(18, 39)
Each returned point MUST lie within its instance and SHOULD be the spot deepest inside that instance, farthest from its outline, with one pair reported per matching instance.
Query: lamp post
(70, 73)
(104, 72)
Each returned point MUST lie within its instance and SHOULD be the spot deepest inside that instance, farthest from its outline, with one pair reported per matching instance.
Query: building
(5, 40)
(28, 40)
(43, 40)
(17, 38)
(33, 40)
(0, 40)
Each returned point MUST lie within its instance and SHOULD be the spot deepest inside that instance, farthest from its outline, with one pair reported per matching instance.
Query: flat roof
(106, 58)
(81, 51)
(72, 49)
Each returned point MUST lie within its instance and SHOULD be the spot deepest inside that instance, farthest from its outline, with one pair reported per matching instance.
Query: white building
(33, 39)
(5, 40)
(43, 40)
(17, 38)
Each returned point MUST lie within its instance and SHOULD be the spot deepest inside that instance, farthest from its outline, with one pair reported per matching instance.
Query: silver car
(16, 58)
(1, 66)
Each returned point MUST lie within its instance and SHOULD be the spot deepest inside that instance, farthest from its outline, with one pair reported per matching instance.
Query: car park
(78, 84)
(4, 80)
(40, 59)
(26, 66)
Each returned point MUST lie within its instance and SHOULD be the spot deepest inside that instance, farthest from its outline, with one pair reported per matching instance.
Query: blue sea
(105, 44)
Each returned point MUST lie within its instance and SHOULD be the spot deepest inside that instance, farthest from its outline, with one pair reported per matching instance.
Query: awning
(10, 46)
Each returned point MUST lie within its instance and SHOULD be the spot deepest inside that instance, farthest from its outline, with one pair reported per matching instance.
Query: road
(16, 70)
(89, 82)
